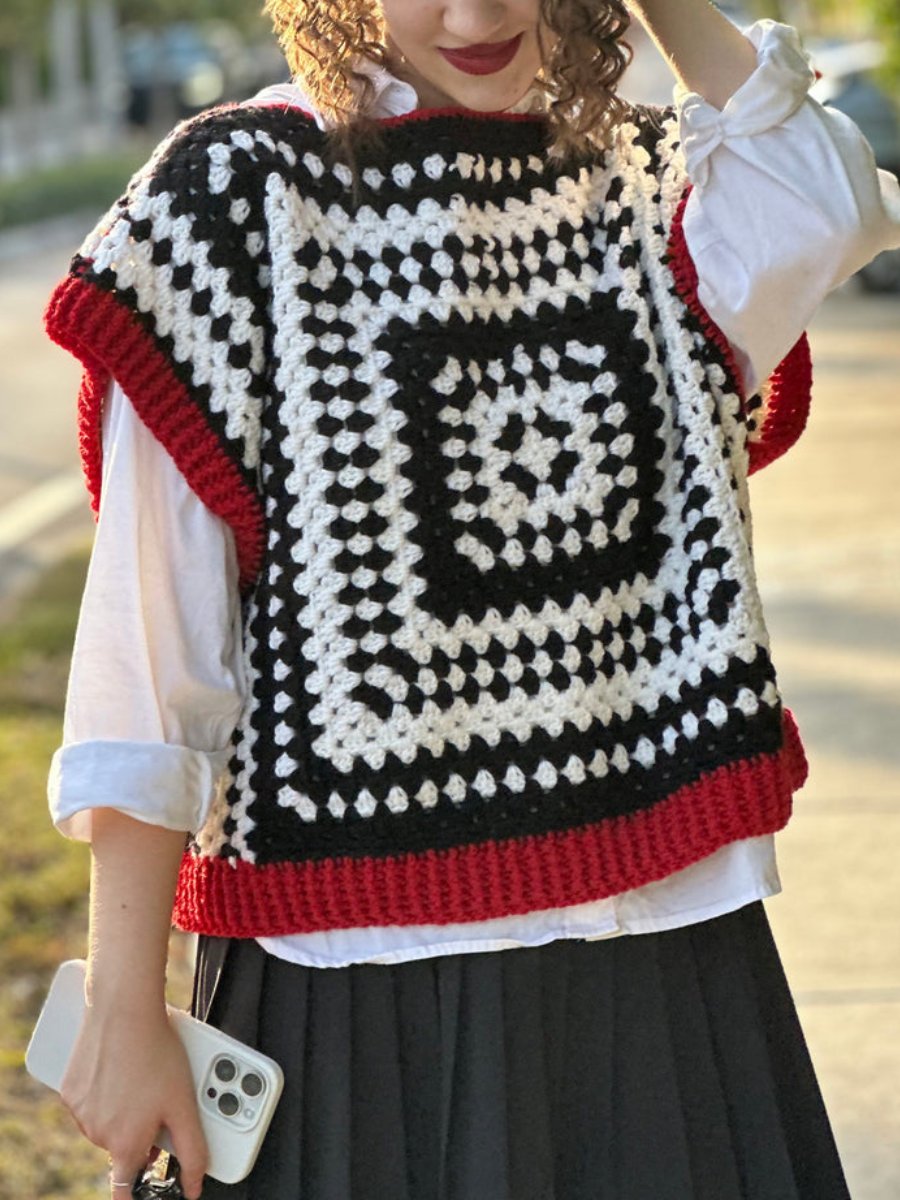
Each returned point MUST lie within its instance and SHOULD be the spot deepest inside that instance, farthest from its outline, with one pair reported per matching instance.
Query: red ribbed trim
(787, 407)
(425, 114)
(417, 114)
(110, 342)
(687, 284)
(789, 390)
(495, 879)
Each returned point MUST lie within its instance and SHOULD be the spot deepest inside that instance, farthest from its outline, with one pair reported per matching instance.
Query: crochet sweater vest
(485, 458)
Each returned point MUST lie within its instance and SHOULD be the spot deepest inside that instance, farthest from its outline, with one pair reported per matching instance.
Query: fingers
(122, 1176)
(189, 1147)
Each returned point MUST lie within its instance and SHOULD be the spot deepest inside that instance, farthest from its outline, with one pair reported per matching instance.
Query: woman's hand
(128, 1076)
(127, 1079)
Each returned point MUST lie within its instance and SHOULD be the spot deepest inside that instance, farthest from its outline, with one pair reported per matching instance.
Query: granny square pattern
(486, 462)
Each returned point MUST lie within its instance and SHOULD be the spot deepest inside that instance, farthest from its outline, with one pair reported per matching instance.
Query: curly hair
(322, 38)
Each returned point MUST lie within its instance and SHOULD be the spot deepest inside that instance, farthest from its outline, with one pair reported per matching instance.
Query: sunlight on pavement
(827, 537)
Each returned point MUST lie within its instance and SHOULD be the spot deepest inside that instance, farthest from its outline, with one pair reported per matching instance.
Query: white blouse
(787, 204)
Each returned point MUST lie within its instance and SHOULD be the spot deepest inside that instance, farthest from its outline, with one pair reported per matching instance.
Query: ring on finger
(114, 1183)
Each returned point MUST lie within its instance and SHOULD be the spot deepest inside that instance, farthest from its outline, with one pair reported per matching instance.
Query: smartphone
(237, 1088)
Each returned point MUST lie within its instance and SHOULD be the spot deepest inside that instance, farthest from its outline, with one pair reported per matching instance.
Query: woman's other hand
(129, 1075)
(128, 1078)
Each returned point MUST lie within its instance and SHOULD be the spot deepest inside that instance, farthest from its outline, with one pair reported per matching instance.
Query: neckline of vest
(422, 114)
(459, 112)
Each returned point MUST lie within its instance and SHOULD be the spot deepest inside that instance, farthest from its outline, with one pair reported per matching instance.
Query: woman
(423, 601)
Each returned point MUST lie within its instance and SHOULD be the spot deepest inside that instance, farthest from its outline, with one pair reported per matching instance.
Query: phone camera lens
(225, 1070)
(229, 1104)
(252, 1084)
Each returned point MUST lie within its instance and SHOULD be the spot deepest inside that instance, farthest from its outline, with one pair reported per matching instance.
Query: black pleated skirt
(666, 1066)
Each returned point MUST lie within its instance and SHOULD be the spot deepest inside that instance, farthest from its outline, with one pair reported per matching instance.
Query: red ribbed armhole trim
(788, 391)
(111, 343)
(787, 407)
(687, 284)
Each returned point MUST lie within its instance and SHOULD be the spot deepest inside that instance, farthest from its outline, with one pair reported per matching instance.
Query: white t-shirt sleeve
(787, 202)
(157, 679)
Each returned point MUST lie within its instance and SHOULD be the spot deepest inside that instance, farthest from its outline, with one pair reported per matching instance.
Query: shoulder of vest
(243, 130)
(648, 129)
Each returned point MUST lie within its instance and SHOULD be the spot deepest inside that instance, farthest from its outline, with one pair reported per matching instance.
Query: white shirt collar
(393, 97)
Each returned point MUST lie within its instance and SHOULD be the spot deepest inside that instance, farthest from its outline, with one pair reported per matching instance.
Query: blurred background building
(77, 76)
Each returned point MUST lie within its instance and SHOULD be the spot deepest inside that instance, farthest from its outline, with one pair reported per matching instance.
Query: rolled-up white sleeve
(787, 202)
(156, 681)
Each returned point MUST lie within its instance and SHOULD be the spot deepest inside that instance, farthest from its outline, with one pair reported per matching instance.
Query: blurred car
(187, 66)
(737, 14)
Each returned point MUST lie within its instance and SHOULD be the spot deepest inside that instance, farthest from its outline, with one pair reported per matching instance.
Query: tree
(886, 16)
(246, 14)
(23, 22)
(874, 18)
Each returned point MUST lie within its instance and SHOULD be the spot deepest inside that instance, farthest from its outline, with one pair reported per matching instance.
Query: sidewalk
(827, 535)
(43, 503)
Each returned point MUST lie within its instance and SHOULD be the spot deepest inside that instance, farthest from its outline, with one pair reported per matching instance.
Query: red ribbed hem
(229, 898)
(110, 342)
(789, 390)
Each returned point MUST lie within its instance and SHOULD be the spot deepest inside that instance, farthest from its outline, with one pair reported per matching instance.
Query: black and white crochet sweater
(485, 458)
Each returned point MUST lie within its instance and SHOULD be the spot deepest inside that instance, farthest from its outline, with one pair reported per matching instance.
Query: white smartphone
(237, 1088)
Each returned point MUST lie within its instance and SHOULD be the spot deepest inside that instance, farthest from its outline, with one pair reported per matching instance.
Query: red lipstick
(484, 59)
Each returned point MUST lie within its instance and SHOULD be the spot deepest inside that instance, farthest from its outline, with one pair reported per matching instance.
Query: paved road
(827, 532)
(42, 503)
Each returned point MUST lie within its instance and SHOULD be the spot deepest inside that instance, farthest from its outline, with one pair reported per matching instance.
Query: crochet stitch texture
(486, 462)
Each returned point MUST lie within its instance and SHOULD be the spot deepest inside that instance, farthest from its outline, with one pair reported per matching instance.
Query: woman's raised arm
(708, 54)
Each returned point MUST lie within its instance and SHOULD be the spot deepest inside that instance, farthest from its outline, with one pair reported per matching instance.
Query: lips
(485, 59)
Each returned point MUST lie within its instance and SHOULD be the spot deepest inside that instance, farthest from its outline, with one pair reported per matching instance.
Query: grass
(90, 183)
(43, 893)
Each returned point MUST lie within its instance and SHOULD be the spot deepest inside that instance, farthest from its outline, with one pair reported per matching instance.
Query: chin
(491, 107)
(487, 99)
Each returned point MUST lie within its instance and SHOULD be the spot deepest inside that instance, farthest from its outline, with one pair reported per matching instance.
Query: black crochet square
(534, 457)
